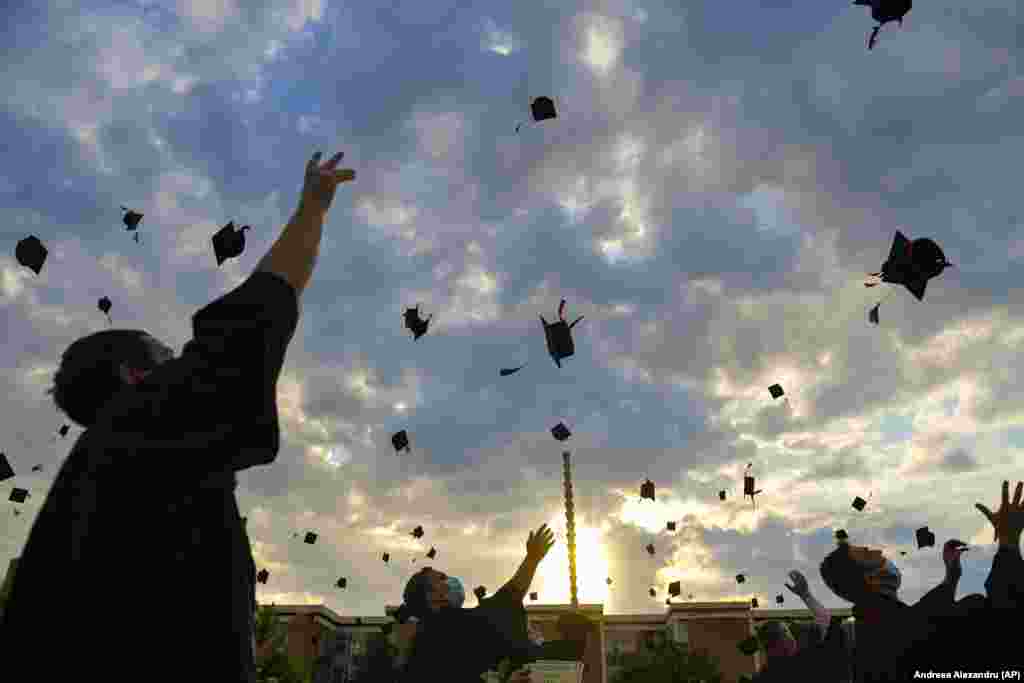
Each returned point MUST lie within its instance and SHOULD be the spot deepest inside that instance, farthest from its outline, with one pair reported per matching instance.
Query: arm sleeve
(821, 616)
(1005, 582)
(236, 355)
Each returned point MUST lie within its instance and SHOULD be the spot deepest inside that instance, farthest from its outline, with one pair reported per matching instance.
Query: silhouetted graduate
(911, 264)
(31, 253)
(542, 109)
(228, 242)
(414, 323)
(131, 222)
(884, 11)
(559, 336)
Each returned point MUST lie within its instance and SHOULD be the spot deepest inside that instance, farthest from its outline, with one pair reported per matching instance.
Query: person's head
(854, 573)
(778, 639)
(425, 592)
(94, 368)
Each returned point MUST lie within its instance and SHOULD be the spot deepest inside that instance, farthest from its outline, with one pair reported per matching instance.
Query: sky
(714, 190)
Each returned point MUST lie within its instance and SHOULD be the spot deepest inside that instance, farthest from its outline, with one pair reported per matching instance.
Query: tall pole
(570, 525)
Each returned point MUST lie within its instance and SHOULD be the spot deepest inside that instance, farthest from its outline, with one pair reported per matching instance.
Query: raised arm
(293, 256)
(803, 591)
(1005, 583)
(537, 546)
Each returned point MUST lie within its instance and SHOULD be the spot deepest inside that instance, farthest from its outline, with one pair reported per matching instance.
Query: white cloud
(497, 41)
(602, 42)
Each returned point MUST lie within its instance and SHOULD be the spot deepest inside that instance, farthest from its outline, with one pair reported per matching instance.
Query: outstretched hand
(539, 542)
(1008, 520)
(799, 587)
(322, 180)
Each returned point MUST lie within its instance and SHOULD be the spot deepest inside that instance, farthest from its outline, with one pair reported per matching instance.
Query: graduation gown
(140, 534)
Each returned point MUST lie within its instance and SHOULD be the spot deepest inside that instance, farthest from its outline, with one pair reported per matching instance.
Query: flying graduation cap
(650, 549)
(925, 538)
(505, 372)
(740, 578)
(753, 602)
(417, 532)
(131, 221)
(401, 441)
(263, 576)
(559, 336)
(779, 599)
(560, 432)
(911, 264)
(647, 490)
(859, 503)
(884, 11)
(342, 583)
(37, 468)
(671, 526)
(776, 390)
(652, 592)
(842, 536)
(433, 552)
(542, 108)
(310, 537)
(608, 581)
(31, 253)
(721, 495)
(104, 305)
(748, 485)
(675, 588)
(6, 471)
(63, 431)
(414, 323)
(228, 242)
(533, 596)
(386, 557)
(19, 496)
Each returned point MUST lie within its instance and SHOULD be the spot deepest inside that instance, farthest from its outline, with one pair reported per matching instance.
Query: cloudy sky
(712, 193)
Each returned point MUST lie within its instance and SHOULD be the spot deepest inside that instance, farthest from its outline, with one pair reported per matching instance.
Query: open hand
(799, 587)
(539, 542)
(1008, 520)
(951, 557)
(322, 180)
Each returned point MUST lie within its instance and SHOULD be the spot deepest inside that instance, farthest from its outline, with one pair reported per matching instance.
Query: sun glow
(552, 581)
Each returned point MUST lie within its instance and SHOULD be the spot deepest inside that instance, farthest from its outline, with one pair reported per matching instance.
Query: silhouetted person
(142, 514)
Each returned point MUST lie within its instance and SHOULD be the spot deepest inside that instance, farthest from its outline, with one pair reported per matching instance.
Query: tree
(277, 666)
(667, 661)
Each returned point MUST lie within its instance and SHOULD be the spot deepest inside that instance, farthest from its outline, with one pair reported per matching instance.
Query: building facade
(339, 644)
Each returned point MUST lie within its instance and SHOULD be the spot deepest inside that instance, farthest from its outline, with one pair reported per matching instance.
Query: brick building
(316, 632)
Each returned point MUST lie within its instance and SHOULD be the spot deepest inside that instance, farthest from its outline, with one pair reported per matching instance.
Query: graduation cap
(401, 441)
(433, 553)
(386, 557)
(263, 576)
(841, 535)
(560, 432)
(674, 589)
(228, 242)
(911, 264)
(925, 538)
(608, 581)
(652, 592)
(37, 468)
(104, 305)
(63, 431)
(740, 578)
(417, 532)
(131, 221)
(884, 11)
(779, 599)
(721, 495)
(31, 253)
(776, 390)
(749, 646)
(19, 496)
(542, 108)
(505, 372)
(559, 336)
(479, 592)
(414, 323)
(859, 503)
(647, 490)
(748, 485)
(310, 537)
(342, 582)
(533, 596)
(6, 471)
(671, 526)
(650, 548)
(753, 603)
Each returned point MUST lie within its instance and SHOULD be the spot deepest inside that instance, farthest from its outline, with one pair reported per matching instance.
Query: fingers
(985, 511)
(314, 160)
(345, 175)
(333, 161)
(1006, 493)
(1018, 492)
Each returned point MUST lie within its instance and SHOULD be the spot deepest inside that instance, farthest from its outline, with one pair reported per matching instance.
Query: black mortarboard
(559, 336)
(873, 315)
(131, 221)
(690, 597)
(263, 576)
(31, 253)
(647, 490)
(104, 305)
(608, 581)
(560, 432)
(740, 578)
(505, 372)
(386, 557)
(884, 11)
(479, 592)
(675, 588)
(342, 582)
(417, 532)
(671, 526)
(841, 535)
(925, 538)
(776, 390)
(668, 601)
(542, 108)
(228, 242)
(910, 264)
(414, 323)
(18, 495)
(859, 503)
(37, 468)
(721, 495)
(903, 552)
(650, 548)
(749, 646)
(6, 471)
(652, 592)
(401, 441)
(432, 553)
(780, 598)
(63, 431)
(753, 602)
(533, 596)
(310, 537)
